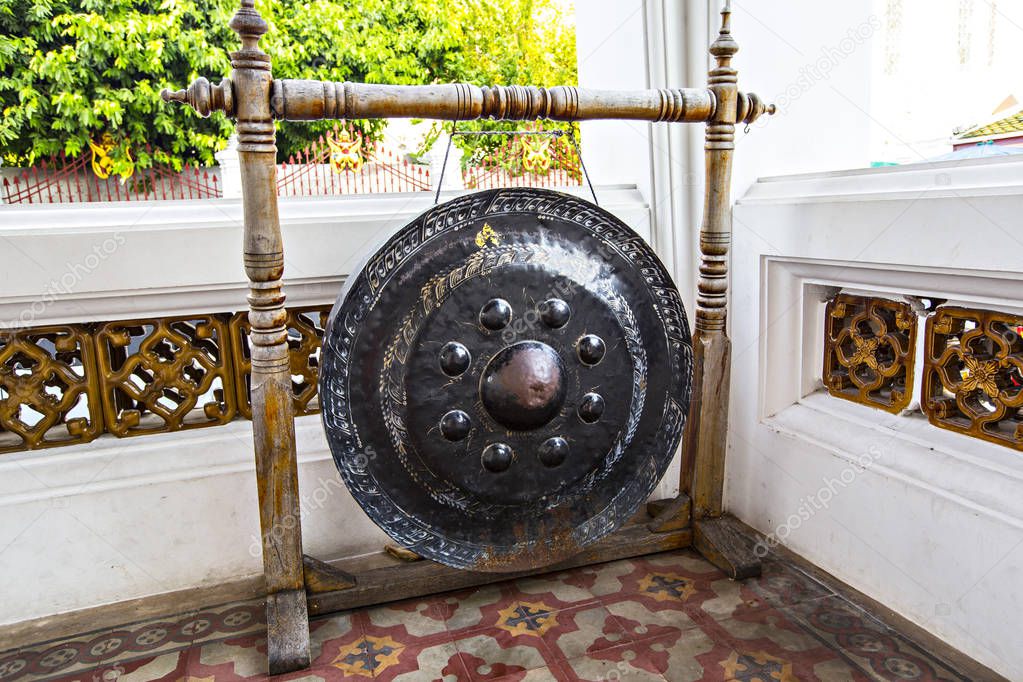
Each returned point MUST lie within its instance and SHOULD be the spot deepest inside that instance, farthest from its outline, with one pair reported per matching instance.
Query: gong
(506, 380)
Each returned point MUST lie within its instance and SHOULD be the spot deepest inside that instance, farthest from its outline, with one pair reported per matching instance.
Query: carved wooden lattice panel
(305, 336)
(869, 348)
(973, 374)
(49, 388)
(165, 374)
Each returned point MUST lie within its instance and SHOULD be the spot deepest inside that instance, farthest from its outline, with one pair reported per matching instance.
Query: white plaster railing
(117, 519)
(928, 522)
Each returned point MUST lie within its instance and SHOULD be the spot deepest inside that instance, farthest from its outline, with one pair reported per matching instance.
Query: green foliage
(72, 70)
(509, 42)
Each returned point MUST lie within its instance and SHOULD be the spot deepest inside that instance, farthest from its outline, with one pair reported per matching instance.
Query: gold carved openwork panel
(973, 374)
(305, 336)
(165, 374)
(869, 349)
(69, 384)
(49, 389)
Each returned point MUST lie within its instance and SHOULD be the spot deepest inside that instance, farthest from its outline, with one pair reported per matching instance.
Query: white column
(230, 170)
(451, 171)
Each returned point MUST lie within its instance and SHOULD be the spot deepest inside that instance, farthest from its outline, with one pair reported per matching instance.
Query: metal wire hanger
(551, 133)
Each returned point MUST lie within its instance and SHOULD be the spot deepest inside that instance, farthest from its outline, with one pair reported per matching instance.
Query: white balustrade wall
(926, 521)
(933, 527)
(937, 535)
(119, 519)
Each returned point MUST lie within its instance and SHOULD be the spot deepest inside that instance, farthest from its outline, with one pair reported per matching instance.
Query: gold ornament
(345, 152)
(102, 164)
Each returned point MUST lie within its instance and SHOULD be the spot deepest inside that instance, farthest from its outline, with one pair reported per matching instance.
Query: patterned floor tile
(404, 620)
(103, 650)
(602, 579)
(588, 669)
(474, 608)
(582, 630)
(496, 653)
(230, 659)
(768, 645)
(780, 584)
(325, 632)
(680, 588)
(229, 620)
(687, 655)
(563, 586)
(169, 667)
(702, 587)
(875, 648)
(535, 675)
(641, 619)
(418, 663)
(694, 655)
(671, 616)
(347, 649)
(723, 599)
(757, 665)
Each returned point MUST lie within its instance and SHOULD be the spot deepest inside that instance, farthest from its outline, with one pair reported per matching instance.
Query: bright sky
(941, 65)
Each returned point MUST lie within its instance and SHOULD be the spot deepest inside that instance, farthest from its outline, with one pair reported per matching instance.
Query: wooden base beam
(391, 579)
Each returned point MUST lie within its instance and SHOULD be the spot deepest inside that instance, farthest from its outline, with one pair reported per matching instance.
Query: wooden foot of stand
(402, 553)
(322, 577)
(725, 543)
(287, 631)
(671, 514)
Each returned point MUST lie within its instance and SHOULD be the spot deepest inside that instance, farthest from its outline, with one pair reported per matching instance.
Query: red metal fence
(532, 158)
(343, 162)
(64, 179)
(491, 176)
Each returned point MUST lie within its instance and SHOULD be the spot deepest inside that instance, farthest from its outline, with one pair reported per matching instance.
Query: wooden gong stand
(297, 585)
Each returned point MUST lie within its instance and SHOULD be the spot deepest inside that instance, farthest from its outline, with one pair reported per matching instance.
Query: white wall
(634, 44)
(800, 55)
(935, 534)
(934, 527)
(115, 519)
(928, 522)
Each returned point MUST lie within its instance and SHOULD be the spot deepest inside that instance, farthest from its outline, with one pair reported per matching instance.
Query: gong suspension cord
(550, 133)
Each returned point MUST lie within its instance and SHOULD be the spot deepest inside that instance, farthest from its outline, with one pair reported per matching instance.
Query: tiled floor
(669, 617)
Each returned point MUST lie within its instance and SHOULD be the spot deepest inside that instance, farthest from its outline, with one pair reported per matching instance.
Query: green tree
(73, 70)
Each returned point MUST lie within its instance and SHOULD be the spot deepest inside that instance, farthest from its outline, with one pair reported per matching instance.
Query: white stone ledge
(933, 528)
(90, 262)
(108, 463)
(944, 179)
(983, 478)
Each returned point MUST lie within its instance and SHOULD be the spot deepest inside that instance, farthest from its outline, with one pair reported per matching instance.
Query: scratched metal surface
(496, 456)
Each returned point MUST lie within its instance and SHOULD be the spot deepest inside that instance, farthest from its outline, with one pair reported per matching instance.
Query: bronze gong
(506, 380)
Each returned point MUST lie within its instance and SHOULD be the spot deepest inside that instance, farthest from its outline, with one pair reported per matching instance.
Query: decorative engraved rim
(648, 456)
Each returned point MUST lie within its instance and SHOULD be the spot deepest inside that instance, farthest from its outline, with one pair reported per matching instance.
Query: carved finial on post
(725, 44)
(249, 24)
(204, 97)
(751, 107)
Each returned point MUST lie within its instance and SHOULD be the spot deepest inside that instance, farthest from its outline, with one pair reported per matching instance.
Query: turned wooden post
(708, 422)
(273, 421)
(255, 100)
